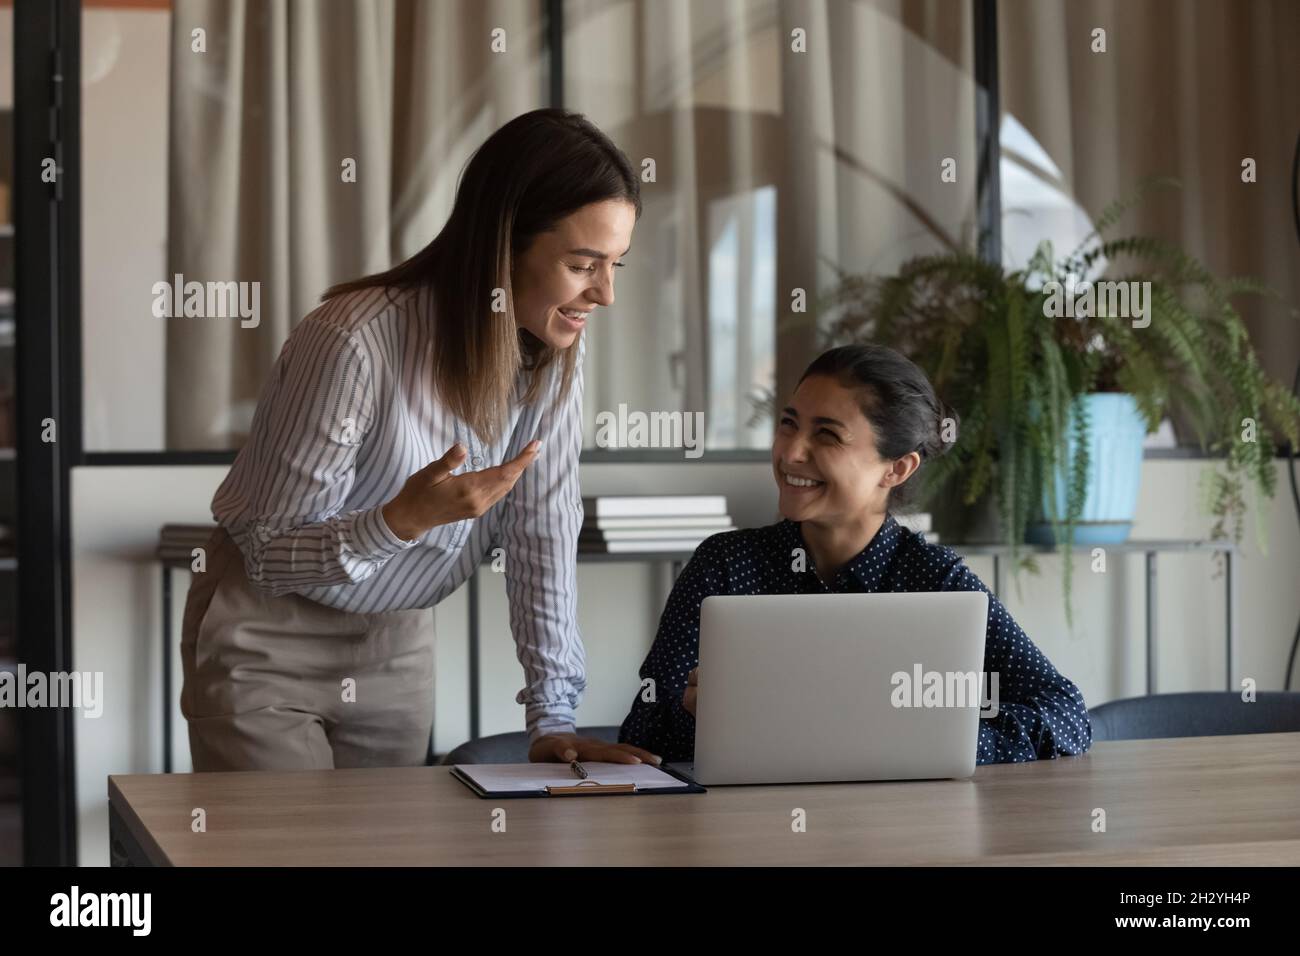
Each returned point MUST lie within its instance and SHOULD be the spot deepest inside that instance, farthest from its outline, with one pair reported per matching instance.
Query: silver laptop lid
(826, 687)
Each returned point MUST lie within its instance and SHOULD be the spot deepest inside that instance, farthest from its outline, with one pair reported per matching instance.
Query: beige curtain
(774, 166)
(1186, 88)
(851, 134)
(871, 117)
(261, 123)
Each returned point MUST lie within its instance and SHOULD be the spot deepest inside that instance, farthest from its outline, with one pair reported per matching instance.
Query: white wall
(124, 225)
(118, 511)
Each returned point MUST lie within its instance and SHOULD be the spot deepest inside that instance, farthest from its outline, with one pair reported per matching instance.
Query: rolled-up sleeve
(540, 526)
(313, 416)
(658, 719)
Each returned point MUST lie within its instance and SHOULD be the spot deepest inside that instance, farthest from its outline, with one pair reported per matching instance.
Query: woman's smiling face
(569, 270)
(824, 457)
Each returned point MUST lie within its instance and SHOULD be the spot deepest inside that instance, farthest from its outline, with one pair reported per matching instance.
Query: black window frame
(48, 352)
(47, 356)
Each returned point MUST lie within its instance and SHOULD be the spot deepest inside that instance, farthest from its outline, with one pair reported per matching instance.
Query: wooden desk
(1203, 800)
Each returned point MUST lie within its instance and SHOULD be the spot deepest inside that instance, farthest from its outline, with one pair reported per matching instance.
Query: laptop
(816, 688)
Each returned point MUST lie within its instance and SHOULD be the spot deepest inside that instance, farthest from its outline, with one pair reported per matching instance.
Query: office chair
(1196, 714)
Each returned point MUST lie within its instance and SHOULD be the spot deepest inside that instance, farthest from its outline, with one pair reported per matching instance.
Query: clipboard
(581, 788)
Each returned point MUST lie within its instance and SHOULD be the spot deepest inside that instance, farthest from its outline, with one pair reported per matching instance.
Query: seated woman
(862, 420)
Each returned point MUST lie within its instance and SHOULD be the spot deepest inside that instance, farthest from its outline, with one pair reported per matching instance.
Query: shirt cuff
(549, 721)
(372, 536)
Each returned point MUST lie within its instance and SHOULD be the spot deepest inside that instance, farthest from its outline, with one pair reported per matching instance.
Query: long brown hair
(529, 174)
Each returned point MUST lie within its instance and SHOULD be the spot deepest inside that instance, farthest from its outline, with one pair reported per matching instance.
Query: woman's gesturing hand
(434, 496)
(566, 747)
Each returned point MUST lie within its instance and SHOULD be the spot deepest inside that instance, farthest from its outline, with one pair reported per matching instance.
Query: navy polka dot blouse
(1040, 713)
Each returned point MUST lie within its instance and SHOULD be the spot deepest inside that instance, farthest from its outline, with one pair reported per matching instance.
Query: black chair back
(1196, 714)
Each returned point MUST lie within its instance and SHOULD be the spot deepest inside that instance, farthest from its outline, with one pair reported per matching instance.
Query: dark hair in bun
(897, 399)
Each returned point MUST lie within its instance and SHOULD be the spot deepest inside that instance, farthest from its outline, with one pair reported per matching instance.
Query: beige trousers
(267, 686)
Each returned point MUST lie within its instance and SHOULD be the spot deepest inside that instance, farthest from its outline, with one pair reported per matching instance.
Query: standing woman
(415, 420)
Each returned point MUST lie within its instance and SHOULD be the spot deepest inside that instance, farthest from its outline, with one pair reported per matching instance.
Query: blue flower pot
(1115, 442)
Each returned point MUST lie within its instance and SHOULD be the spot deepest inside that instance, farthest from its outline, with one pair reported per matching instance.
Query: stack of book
(920, 523)
(621, 524)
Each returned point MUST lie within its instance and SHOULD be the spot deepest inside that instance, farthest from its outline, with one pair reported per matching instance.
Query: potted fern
(1036, 359)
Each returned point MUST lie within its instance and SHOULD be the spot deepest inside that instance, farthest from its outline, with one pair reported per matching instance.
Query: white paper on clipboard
(512, 777)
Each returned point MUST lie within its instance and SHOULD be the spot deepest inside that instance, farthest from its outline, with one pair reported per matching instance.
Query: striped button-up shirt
(347, 414)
